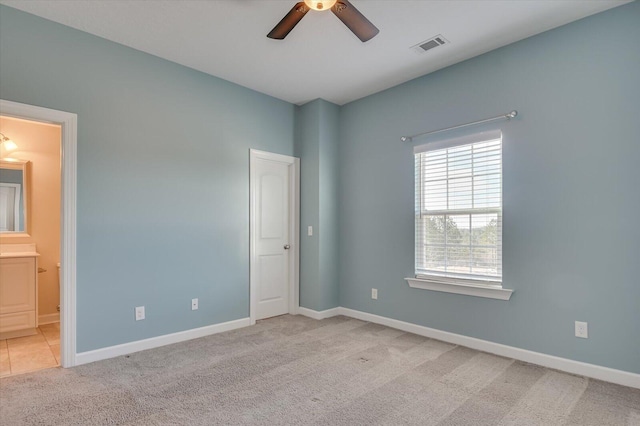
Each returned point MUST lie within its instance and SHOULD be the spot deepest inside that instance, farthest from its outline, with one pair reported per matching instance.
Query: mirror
(14, 184)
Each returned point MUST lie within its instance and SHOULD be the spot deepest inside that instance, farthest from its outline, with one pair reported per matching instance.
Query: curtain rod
(507, 116)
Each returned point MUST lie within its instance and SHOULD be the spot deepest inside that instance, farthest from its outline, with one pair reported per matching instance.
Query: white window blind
(458, 215)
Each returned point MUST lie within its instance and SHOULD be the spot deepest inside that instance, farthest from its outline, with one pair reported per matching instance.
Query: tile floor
(31, 353)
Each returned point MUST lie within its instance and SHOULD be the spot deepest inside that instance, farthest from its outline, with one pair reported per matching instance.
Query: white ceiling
(320, 58)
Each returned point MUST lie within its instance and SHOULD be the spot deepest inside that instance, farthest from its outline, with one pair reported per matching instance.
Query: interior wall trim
(69, 158)
(48, 318)
(619, 377)
(156, 342)
(319, 315)
(611, 375)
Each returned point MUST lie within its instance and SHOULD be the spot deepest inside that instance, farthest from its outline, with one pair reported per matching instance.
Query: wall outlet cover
(194, 304)
(582, 330)
(374, 293)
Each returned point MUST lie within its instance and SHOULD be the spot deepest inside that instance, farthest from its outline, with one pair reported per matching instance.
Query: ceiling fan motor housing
(343, 9)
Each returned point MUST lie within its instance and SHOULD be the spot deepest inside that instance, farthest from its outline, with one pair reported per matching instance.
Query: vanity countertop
(18, 250)
(19, 254)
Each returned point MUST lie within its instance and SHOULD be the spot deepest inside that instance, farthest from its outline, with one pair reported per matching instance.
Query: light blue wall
(316, 145)
(571, 199)
(307, 133)
(163, 186)
(329, 181)
(163, 179)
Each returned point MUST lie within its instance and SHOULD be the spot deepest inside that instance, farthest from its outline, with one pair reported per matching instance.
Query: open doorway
(54, 313)
(30, 160)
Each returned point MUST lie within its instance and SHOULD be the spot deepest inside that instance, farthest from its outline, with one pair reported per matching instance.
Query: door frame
(68, 159)
(294, 231)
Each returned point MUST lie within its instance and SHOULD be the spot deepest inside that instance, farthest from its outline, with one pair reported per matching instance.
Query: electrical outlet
(310, 230)
(194, 304)
(582, 330)
(374, 293)
(139, 313)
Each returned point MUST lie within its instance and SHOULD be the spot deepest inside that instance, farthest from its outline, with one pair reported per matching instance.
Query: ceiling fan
(345, 11)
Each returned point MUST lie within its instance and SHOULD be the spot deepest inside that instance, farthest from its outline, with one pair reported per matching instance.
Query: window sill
(477, 290)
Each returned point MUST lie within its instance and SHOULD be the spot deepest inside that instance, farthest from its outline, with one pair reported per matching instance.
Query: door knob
(287, 246)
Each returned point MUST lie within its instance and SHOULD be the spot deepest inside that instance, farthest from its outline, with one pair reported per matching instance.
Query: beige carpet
(295, 370)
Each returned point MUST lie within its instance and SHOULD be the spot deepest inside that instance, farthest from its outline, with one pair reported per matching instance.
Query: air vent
(429, 44)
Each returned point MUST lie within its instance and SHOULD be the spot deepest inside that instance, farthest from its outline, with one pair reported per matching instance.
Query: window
(458, 210)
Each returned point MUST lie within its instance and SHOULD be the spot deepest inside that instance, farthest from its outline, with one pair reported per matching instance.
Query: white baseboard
(48, 318)
(154, 342)
(319, 315)
(606, 374)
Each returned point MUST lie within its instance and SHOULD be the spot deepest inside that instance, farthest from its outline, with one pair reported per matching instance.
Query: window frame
(459, 283)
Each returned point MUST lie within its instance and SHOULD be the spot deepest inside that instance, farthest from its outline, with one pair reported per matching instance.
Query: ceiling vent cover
(429, 44)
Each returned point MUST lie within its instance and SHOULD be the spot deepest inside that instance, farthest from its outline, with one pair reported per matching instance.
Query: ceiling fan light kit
(320, 5)
(345, 11)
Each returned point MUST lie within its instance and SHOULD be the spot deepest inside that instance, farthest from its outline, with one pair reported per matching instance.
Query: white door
(271, 234)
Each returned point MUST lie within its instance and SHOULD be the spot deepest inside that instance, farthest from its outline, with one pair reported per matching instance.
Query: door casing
(69, 158)
(294, 231)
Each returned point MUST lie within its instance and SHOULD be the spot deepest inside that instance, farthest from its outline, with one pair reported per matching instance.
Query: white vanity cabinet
(18, 290)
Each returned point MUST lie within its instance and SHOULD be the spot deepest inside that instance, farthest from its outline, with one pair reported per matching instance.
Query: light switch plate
(310, 230)
(139, 313)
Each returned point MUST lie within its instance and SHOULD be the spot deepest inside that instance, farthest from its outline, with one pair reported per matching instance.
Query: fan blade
(354, 20)
(290, 20)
